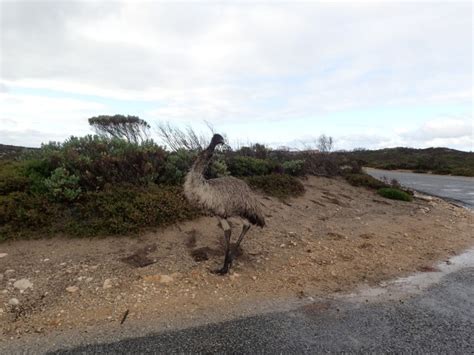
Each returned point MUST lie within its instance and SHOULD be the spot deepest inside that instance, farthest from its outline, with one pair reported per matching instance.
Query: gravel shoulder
(331, 240)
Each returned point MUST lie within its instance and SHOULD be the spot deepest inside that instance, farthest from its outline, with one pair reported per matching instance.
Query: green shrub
(248, 166)
(98, 161)
(125, 209)
(12, 177)
(118, 209)
(62, 186)
(294, 167)
(277, 185)
(176, 166)
(217, 168)
(394, 194)
(364, 180)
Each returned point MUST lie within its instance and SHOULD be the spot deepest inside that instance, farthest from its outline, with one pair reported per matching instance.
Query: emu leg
(228, 258)
(245, 229)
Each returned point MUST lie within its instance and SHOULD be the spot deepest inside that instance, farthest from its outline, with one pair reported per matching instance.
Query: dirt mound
(331, 239)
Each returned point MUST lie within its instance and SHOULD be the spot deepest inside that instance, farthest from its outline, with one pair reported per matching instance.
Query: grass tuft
(394, 194)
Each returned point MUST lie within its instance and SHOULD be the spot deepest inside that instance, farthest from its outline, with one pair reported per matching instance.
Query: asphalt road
(458, 188)
(439, 320)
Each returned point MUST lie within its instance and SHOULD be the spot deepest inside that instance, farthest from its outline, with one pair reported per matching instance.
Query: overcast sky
(369, 74)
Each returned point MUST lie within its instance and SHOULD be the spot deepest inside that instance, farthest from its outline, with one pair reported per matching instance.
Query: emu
(223, 197)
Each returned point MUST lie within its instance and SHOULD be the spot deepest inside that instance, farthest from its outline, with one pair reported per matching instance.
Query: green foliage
(218, 168)
(435, 160)
(12, 177)
(277, 185)
(248, 166)
(62, 186)
(294, 167)
(258, 151)
(98, 161)
(394, 194)
(365, 180)
(130, 128)
(176, 166)
(119, 209)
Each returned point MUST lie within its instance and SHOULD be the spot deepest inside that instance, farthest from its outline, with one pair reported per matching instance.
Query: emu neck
(202, 161)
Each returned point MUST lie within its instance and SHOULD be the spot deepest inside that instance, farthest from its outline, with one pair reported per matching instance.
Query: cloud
(442, 128)
(233, 63)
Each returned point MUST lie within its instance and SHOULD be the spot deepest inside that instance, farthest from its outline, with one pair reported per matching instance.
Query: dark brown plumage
(223, 197)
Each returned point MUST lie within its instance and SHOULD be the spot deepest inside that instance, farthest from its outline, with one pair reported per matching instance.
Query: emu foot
(222, 271)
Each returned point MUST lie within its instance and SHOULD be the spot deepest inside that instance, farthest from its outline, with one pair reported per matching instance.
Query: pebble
(22, 284)
(9, 271)
(107, 284)
(166, 279)
(2, 255)
(13, 302)
(72, 289)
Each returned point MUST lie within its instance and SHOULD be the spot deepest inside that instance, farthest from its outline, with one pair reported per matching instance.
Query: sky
(370, 74)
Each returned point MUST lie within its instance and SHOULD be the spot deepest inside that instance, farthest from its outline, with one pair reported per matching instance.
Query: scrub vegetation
(120, 182)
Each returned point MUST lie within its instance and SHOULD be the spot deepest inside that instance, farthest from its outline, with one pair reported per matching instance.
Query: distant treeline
(431, 160)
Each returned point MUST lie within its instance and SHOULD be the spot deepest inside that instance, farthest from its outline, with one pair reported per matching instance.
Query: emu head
(216, 140)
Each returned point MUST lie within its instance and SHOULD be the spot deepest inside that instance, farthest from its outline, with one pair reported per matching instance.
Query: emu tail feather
(256, 219)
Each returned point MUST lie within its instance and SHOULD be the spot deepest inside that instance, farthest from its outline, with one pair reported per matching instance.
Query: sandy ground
(333, 239)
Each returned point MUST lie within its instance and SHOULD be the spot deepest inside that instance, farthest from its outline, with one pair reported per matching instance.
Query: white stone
(13, 302)
(107, 284)
(22, 284)
(72, 289)
(2, 255)
(166, 279)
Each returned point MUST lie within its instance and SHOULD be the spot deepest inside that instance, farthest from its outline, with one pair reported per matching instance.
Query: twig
(124, 317)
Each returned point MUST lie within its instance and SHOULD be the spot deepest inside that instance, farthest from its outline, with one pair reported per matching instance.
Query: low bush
(394, 194)
(364, 180)
(321, 164)
(118, 209)
(62, 186)
(294, 167)
(98, 161)
(12, 177)
(277, 185)
(176, 166)
(248, 166)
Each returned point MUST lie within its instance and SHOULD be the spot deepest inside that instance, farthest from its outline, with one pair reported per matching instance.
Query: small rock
(9, 271)
(13, 302)
(254, 278)
(72, 289)
(166, 279)
(89, 279)
(22, 284)
(2, 255)
(293, 243)
(107, 284)
(282, 245)
(45, 260)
